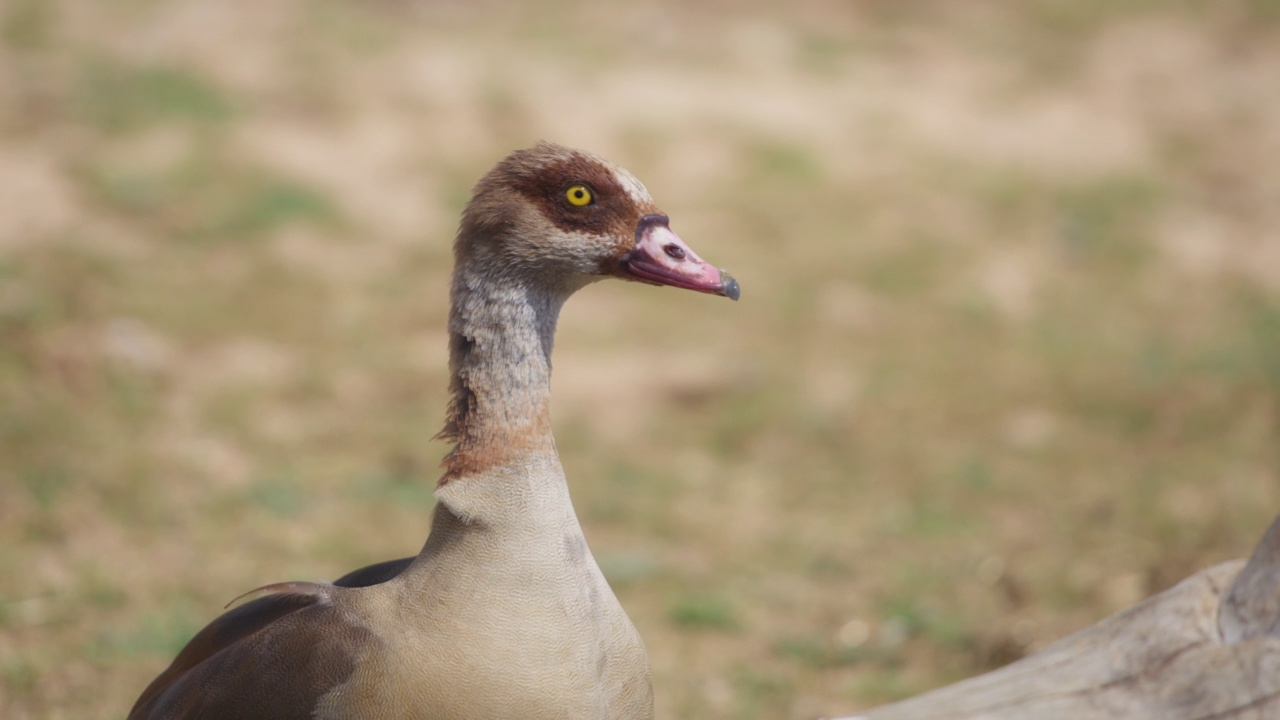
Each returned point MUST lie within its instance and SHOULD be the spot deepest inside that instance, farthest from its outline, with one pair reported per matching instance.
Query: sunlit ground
(1007, 359)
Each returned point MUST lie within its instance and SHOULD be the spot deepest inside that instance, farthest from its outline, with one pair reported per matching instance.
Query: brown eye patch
(613, 212)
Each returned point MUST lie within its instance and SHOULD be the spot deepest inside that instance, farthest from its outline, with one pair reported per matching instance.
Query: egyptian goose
(504, 613)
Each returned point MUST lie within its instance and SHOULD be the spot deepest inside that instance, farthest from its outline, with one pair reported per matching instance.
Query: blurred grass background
(1007, 360)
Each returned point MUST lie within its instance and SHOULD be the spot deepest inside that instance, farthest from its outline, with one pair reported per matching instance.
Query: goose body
(504, 612)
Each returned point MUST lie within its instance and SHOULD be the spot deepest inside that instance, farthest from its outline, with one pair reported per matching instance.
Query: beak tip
(731, 289)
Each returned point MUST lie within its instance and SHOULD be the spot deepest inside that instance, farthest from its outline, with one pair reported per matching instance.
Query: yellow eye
(579, 195)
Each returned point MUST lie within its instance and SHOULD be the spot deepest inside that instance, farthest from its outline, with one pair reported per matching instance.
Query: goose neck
(500, 341)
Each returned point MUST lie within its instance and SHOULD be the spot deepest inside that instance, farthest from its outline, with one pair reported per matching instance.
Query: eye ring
(579, 195)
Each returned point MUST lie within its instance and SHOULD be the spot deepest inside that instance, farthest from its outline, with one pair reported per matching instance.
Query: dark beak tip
(731, 289)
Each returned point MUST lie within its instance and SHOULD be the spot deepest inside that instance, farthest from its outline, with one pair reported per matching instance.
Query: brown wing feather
(375, 574)
(273, 657)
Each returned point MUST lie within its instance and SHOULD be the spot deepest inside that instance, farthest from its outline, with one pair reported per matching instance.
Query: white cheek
(584, 250)
(633, 186)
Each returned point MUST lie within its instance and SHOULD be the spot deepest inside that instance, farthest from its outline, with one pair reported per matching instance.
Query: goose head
(561, 218)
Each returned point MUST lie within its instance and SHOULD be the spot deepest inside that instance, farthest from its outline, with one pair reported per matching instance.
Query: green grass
(703, 611)
(162, 634)
(118, 97)
(27, 25)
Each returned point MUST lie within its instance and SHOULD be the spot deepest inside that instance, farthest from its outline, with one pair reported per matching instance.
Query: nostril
(673, 251)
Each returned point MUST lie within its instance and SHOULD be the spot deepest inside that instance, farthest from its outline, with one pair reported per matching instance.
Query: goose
(504, 612)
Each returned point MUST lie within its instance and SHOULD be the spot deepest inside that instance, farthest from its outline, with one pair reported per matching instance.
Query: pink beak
(660, 257)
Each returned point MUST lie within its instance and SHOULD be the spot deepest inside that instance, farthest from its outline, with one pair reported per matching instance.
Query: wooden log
(1205, 649)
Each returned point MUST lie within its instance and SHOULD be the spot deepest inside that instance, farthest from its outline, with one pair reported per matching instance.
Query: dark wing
(271, 658)
(374, 574)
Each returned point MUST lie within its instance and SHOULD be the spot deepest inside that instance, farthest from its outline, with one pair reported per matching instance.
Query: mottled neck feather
(501, 331)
